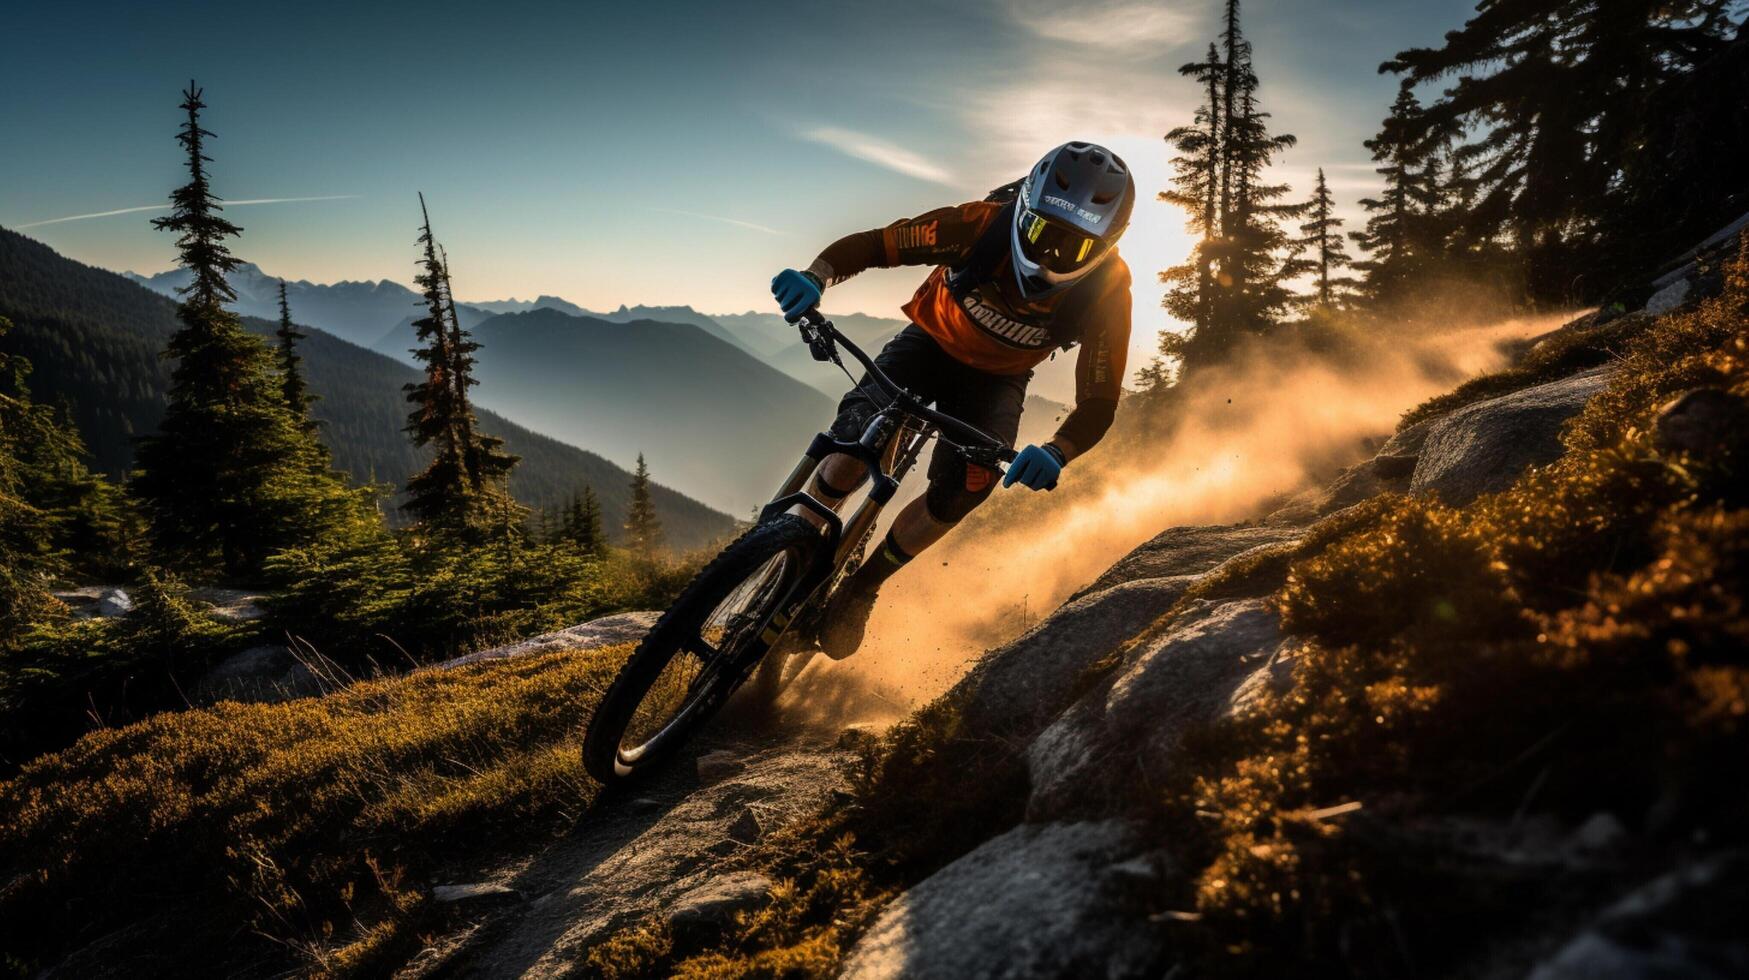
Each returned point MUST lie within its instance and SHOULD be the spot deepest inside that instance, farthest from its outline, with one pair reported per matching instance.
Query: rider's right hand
(796, 292)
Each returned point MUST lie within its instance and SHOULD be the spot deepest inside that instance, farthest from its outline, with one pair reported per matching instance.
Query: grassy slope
(94, 339)
(309, 823)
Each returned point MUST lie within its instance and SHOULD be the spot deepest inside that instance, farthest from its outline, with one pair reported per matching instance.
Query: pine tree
(437, 495)
(1197, 183)
(581, 524)
(1258, 295)
(1235, 283)
(231, 475)
(1560, 99)
(464, 490)
(294, 391)
(546, 530)
(589, 536)
(1321, 252)
(484, 457)
(29, 560)
(643, 529)
(1390, 231)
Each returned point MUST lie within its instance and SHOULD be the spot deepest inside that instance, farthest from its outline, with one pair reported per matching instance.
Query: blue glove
(1036, 468)
(796, 292)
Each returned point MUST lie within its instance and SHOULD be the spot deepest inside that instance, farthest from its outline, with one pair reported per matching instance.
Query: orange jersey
(991, 327)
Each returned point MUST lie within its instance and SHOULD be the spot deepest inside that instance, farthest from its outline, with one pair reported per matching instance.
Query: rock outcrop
(1655, 930)
(715, 903)
(269, 673)
(606, 631)
(1036, 901)
(1482, 448)
(1186, 551)
(1192, 673)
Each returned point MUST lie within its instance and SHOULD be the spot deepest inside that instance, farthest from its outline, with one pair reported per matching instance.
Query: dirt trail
(636, 852)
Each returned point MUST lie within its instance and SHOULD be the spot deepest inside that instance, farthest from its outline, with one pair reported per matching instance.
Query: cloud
(880, 153)
(96, 214)
(1120, 24)
(166, 207)
(737, 222)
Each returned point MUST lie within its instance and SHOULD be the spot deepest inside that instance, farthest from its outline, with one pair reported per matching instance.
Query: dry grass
(310, 822)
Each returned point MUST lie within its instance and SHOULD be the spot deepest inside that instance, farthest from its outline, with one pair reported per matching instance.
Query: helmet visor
(1055, 246)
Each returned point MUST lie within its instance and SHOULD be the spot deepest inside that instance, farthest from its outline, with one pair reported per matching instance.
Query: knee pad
(956, 487)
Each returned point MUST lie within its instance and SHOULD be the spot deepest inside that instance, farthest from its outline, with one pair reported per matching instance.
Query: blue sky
(657, 152)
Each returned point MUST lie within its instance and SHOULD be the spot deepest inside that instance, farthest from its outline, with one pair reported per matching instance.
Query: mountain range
(95, 340)
(714, 397)
(725, 424)
(354, 311)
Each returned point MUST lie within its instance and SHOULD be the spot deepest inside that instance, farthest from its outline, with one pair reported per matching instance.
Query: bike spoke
(689, 681)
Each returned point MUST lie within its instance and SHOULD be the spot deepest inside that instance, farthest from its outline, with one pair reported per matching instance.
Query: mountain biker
(1017, 276)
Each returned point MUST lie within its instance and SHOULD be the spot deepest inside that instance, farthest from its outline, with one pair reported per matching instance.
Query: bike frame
(888, 447)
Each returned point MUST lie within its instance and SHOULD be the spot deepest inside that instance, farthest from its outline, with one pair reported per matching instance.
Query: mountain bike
(734, 621)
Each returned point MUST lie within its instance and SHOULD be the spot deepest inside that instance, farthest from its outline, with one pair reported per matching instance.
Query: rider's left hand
(1035, 467)
(795, 292)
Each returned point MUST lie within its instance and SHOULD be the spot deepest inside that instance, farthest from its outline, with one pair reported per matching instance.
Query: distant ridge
(94, 339)
(726, 425)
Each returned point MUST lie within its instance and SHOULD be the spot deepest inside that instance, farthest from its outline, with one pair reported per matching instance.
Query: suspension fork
(798, 477)
(897, 458)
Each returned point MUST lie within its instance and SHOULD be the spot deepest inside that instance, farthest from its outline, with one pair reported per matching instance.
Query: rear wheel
(701, 649)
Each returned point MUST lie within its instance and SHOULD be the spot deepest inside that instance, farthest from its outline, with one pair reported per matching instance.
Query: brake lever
(987, 456)
(819, 341)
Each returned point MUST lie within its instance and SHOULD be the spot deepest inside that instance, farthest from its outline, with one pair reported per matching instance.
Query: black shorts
(991, 402)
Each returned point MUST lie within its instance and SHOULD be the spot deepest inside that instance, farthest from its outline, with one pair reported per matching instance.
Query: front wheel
(701, 649)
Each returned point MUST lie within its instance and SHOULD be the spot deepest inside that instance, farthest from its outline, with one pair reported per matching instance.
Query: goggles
(1055, 246)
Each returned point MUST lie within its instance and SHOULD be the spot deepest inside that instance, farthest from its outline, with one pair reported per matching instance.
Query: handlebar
(823, 339)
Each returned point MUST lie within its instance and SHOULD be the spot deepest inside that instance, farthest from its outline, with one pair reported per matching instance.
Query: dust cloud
(1245, 438)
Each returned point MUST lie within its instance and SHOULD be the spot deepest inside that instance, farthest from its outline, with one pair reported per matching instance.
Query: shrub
(1578, 641)
(294, 820)
(343, 592)
(67, 674)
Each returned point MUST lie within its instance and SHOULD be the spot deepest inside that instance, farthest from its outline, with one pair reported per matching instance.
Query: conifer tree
(464, 490)
(231, 474)
(1235, 283)
(588, 535)
(437, 495)
(1321, 250)
(484, 457)
(548, 525)
(294, 390)
(1390, 232)
(581, 525)
(29, 561)
(643, 529)
(1561, 100)
(68, 511)
(1258, 274)
(1197, 178)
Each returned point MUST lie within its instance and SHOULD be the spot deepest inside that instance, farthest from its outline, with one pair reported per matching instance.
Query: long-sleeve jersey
(993, 327)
